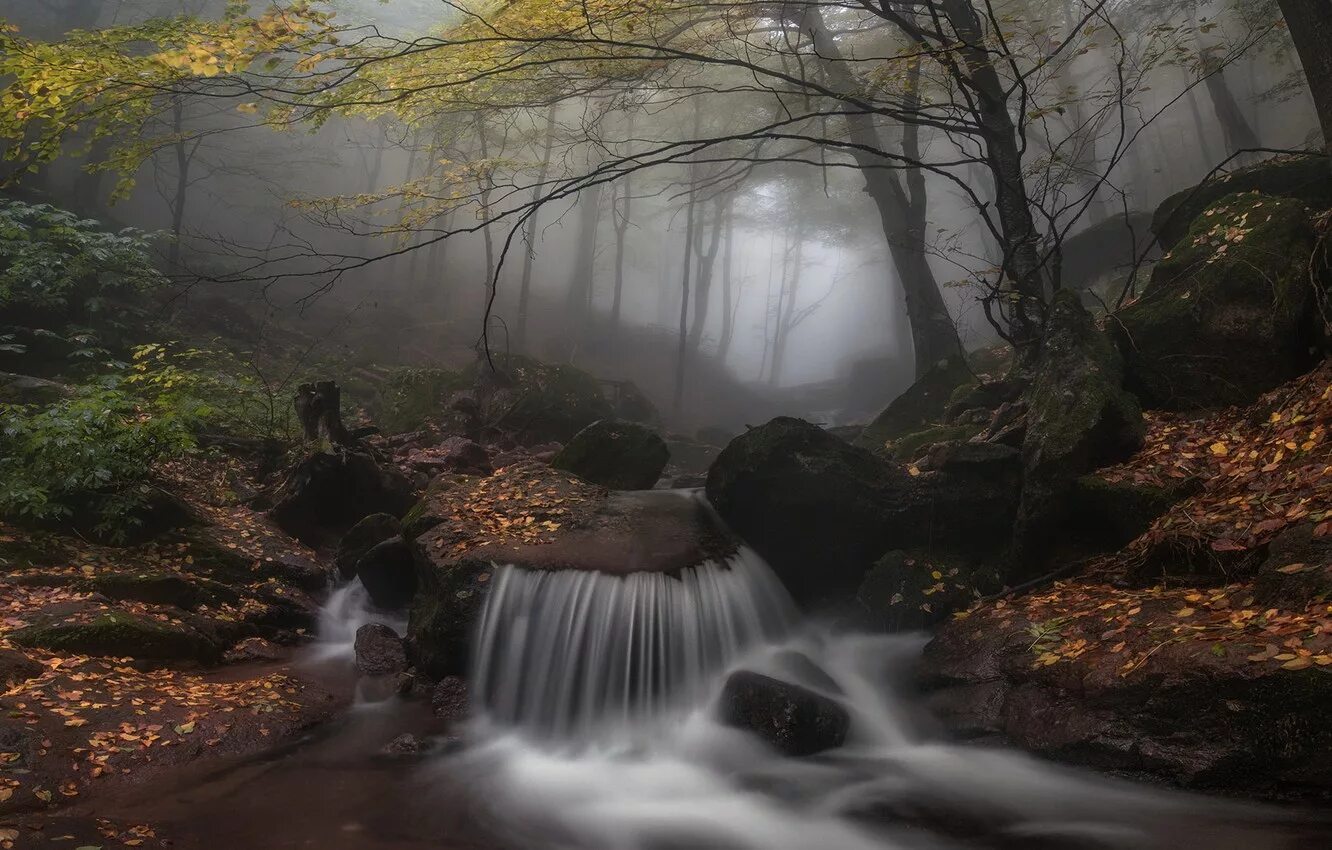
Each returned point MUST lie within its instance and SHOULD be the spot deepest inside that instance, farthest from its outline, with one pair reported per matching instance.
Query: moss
(906, 591)
(962, 393)
(912, 446)
(924, 402)
(443, 613)
(157, 587)
(1227, 314)
(120, 634)
(410, 397)
(1305, 178)
(1113, 514)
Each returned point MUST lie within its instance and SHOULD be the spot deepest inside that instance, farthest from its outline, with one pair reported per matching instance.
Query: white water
(572, 755)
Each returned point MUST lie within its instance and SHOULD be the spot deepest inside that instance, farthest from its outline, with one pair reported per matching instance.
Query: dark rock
(406, 744)
(538, 402)
(362, 537)
(297, 571)
(1008, 426)
(1297, 570)
(913, 446)
(118, 633)
(1079, 418)
(152, 586)
(1108, 515)
(812, 505)
(906, 592)
(631, 405)
(255, 650)
(794, 720)
(989, 396)
(618, 455)
(1305, 178)
(327, 493)
(444, 613)
(449, 699)
(15, 667)
(388, 573)
(924, 403)
(379, 651)
(1229, 314)
(25, 389)
(460, 454)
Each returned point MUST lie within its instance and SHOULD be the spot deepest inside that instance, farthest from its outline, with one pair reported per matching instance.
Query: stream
(595, 730)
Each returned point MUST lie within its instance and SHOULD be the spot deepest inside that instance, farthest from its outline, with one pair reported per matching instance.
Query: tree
(1310, 23)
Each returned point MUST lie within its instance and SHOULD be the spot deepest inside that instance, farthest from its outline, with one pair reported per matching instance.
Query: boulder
(161, 587)
(119, 633)
(448, 700)
(1109, 514)
(456, 454)
(913, 446)
(411, 397)
(1230, 312)
(906, 592)
(1078, 418)
(362, 537)
(618, 455)
(1297, 570)
(1304, 178)
(794, 720)
(812, 505)
(379, 651)
(923, 404)
(537, 402)
(329, 492)
(15, 667)
(25, 389)
(255, 650)
(538, 518)
(388, 572)
(632, 405)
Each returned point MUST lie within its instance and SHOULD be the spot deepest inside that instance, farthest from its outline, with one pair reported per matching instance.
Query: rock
(254, 650)
(906, 592)
(912, 446)
(379, 651)
(361, 538)
(1230, 313)
(538, 402)
(406, 744)
(923, 404)
(449, 699)
(118, 633)
(618, 455)
(297, 571)
(389, 574)
(1297, 570)
(794, 720)
(25, 389)
(15, 667)
(1079, 418)
(327, 493)
(1008, 426)
(1108, 515)
(988, 395)
(1305, 178)
(152, 586)
(549, 520)
(812, 505)
(631, 405)
(456, 454)
(1189, 713)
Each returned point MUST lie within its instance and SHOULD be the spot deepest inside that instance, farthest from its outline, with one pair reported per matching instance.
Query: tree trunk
(786, 305)
(184, 157)
(730, 299)
(580, 279)
(1310, 23)
(318, 409)
(682, 352)
(706, 262)
(622, 213)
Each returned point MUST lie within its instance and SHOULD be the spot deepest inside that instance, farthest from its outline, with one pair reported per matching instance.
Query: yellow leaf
(1297, 664)
(1219, 449)
(1184, 612)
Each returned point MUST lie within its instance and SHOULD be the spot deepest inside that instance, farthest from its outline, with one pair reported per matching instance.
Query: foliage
(209, 390)
(59, 276)
(87, 456)
(410, 396)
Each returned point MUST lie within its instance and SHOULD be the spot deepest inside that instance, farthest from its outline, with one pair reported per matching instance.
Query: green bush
(86, 459)
(412, 396)
(66, 285)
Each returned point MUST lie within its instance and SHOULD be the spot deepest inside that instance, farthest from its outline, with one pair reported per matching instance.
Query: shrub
(87, 458)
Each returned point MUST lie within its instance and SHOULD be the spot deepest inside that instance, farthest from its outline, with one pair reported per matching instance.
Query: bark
(787, 300)
(529, 236)
(730, 298)
(486, 184)
(902, 212)
(707, 258)
(1310, 23)
(580, 280)
(184, 159)
(624, 208)
(682, 352)
(1235, 127)
(318, 409)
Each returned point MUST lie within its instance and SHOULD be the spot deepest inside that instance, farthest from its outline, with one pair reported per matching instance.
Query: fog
(378, 230)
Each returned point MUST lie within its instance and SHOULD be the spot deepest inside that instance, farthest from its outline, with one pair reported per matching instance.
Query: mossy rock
(1304, 178)
(539, 402)
(120, 634)
(159, 587)
(614, 454)
(364, 536)
(444, 612)
(923, 404)
(410, 397)
(905, 591)
(913, 446)
(1109, 514)
(1230, 313)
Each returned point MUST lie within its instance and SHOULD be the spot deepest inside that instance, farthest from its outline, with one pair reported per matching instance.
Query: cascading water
(597, 731)
(566, 654)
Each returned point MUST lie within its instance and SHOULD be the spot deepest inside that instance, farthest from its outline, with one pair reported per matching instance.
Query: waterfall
(567, 654)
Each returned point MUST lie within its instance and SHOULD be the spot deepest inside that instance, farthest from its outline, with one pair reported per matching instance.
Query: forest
(666, 424)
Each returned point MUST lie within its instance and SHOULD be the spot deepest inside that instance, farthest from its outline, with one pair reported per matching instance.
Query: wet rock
(801, 497)
(618, 455)
(1108, 515)
(327, 493)
(1230, 312)
(922, 405)
(379, 651)
(632, 405)
(406, 744)
(449, 699)
(15, 667)
(917, 445)
(794, 720)
(362, 537)
(152, 586)
(1305, 178)
(297, 571)
(389, 574)
(255, 650)
(691, 456)
(988, 395)
(119, 633)
(1297, 570)
(905, 591)
(1079, 418)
